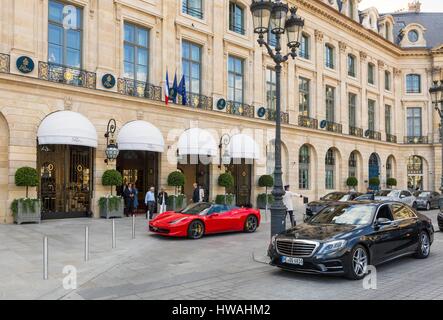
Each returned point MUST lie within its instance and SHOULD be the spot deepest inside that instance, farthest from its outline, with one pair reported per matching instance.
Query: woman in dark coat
(129, 195)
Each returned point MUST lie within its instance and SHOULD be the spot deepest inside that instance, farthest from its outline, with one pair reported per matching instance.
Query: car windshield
(347, 214)
(394, 194)
(424, 194)
(345, 197)
(195, 208)
(333, 196)
(383, 193)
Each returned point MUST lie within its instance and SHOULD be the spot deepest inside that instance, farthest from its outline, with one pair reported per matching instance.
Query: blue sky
(394, 5)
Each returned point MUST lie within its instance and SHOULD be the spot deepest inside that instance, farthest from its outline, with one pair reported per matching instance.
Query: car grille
(296, 248)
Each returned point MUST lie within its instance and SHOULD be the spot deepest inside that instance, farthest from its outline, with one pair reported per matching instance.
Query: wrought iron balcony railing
(354, 131)
(197, 101)
(271, 115)
(416, 140)
(334, 127)
(240, 109)
(141, 89)
(66, 75)
(5, 60)
(391, 138)
(374, 135)
(304, 121)
(237, 28)
(192, 11)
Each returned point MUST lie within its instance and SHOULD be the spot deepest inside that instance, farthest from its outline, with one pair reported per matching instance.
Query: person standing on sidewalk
(161, 200)
(150, 202)
(287, 200)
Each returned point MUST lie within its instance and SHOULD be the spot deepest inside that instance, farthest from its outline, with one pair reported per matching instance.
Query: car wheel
(424, 246)
(358, 264)
(428, 206)
(196, 229)
(251, 224)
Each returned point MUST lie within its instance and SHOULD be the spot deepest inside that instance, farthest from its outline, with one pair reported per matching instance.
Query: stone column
(318, 110)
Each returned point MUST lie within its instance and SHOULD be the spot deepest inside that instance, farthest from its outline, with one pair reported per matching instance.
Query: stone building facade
(355, 102)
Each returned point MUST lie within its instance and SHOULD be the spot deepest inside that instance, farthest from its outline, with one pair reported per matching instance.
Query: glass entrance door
(65, 181)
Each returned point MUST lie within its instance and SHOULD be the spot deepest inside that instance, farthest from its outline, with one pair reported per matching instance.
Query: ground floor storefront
(62, 134)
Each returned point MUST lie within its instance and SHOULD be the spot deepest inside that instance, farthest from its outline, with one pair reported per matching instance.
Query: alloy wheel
(424, 244)
(196, 230)
(251, 224)
(360, 262)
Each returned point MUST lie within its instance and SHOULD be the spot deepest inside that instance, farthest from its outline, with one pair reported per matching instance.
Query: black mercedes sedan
(314, 207)
(344, 238)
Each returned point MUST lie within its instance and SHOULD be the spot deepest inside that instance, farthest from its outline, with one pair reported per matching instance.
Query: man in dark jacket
(196, 193)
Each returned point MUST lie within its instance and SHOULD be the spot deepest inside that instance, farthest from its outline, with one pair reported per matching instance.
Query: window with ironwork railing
(235, 79)
(193, 8)
(330, 103)
(329, 56)
(351, 66)
(352, 105)
(271, 85)
(304, 93)
(136, 52)
(191, 63)
(304, 51)
(236, 18)
(413, 83)
(64, 44)
(304, 168)
(414, 122)
(371, 115)
(388, 119)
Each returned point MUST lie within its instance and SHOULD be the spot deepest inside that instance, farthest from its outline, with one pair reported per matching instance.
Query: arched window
(389, 168)
(329, 56)
(353, 165)
(304, 161)
(415, 173)
(330, 169)
(374, 169)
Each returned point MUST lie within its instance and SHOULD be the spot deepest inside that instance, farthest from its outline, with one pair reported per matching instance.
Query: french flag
(167, 88)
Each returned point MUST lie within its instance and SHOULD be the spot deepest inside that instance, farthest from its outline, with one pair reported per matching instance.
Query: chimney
(414, 6)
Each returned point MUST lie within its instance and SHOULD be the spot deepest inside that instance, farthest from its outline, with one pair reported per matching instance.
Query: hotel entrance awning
(243, 146)
(67, 128)
(140, 135)
(196, 141)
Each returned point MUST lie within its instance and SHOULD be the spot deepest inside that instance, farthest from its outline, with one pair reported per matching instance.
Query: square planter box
(173, 207)
(231, 203)
(106, 213)
(25, 215)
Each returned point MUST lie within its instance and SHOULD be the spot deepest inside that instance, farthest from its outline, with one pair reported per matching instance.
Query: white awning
(197, 141)
(140, 135)
(67, 127)
(243, 146)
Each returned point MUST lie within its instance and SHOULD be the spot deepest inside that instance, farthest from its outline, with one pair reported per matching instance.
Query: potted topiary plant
(226, 180)
(111, 206)
(352, 182)
(374, 183)
(177, 180)
(265, 181)
(26, 209)
(391, 182)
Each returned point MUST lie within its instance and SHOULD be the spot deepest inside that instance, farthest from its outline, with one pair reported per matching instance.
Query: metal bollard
(133, 226)
(45, 258)
(113, 234)
(87, 243)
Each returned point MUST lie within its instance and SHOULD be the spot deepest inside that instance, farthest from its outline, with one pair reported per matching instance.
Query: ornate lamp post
(111, 145)
(272, 16)
(225, 157)
(436, 92)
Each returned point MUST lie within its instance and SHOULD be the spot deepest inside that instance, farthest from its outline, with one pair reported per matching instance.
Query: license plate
(291, 260)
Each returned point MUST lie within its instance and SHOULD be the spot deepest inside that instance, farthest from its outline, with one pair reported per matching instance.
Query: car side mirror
(402, 196)
(382, 222)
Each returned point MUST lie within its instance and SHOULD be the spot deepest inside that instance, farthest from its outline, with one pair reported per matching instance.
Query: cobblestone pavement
(229, 266)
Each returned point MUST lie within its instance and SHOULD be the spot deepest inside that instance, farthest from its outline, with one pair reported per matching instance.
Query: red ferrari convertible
(203, 218)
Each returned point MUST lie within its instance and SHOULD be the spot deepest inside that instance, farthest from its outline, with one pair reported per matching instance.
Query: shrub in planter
(391, 182)
(352, 182)
(176, 202)
(111, 206)
(176, 179)
(265, 181)
(375, 182)
(25, 209)
(228, 199)
(261, 200)
(225, 180)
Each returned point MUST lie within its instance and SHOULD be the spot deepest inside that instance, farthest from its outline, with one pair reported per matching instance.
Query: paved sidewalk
(214, 267)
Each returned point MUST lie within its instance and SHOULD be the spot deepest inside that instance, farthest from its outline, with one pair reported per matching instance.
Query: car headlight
(332, 246)
(178, 220)
(273, 238)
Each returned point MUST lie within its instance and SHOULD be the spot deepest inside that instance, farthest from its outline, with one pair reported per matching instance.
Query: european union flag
(182, 90)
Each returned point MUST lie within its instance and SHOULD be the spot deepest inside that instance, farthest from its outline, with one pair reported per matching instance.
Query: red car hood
(169, 216)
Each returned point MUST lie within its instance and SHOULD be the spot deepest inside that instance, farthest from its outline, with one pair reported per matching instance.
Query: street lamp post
(272, 16)
(436, 92)
(111, 145)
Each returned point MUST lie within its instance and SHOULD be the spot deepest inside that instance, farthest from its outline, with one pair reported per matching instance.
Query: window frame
(371, 114)
(191, 62)
(388, 81)
(352, 72)
(136, 46)
(330, 103)
(329, 56)
(304, 109)
(304, 166)
(233, 23)
(414, 118)
(235, 58)
(305, 48)
(371, 74)
(352, 109)
(388, 119)
(410, 83)
(188, 9)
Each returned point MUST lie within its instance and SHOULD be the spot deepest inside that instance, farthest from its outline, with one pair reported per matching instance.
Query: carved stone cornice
(318, 36)
(381, 64)
(363, 56)
(343, 46)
